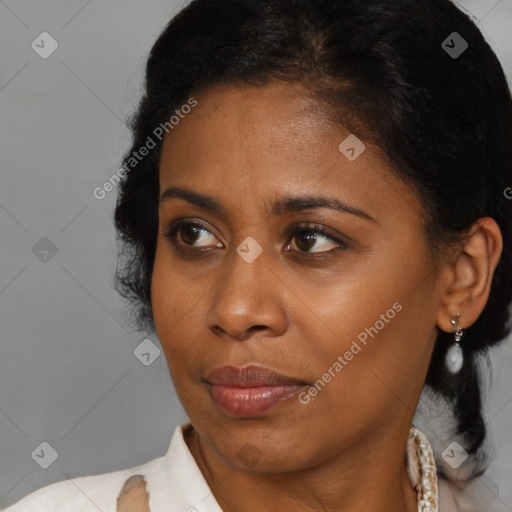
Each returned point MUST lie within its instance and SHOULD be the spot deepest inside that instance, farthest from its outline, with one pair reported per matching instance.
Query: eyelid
(171, 232)
(317, 228)
(167, 226)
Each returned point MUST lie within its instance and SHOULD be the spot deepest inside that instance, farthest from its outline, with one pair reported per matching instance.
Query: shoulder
(447, 501)
(468, 496)
(91, 493)
(172, 480)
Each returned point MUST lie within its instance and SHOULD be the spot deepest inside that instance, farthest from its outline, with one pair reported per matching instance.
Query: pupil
(192, 231)
(310, 239)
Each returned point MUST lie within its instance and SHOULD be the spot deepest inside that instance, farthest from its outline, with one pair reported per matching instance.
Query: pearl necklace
(422, 471)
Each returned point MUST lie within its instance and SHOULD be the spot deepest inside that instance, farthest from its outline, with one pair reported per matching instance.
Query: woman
(316, 224)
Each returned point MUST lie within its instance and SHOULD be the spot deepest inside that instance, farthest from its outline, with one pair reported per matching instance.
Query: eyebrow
(281, 206)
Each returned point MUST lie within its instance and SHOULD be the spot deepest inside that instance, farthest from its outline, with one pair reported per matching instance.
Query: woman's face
(348, 315)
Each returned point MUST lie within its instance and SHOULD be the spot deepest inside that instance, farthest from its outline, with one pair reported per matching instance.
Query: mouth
(250, 391)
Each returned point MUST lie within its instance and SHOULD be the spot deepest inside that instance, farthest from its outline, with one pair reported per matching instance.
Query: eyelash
(172, 231)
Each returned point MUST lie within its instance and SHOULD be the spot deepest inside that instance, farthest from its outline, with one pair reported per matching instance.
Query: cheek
(381, 325)
(177, 312)
(162, 292)
(390, 370)
(169, 301)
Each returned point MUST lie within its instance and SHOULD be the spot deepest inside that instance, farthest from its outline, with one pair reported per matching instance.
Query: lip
(249, 377)
(252, 390)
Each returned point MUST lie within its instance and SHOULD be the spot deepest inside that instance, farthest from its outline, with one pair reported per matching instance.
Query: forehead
(257, 142)
(279, 113)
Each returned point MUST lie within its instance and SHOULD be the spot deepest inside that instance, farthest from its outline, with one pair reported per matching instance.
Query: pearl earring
(454, 356)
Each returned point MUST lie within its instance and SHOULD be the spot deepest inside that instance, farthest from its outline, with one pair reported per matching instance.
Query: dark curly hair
(443, 120)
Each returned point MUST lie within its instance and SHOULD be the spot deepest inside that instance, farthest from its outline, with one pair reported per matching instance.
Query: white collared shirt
(174, 483)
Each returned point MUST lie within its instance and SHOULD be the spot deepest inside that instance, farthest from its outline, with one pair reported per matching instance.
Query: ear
(466, 277)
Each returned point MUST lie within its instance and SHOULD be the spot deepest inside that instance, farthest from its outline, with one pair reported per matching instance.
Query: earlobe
(468, 276)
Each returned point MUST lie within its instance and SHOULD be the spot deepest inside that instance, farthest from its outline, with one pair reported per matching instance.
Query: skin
(292, 313)
(133, 496)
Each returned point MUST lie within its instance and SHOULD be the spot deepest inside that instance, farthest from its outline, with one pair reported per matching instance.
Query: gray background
(68, 373)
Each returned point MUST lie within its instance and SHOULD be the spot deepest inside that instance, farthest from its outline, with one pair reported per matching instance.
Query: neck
(369, 475)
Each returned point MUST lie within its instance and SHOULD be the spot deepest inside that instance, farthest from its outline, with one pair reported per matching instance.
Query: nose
(248, 298)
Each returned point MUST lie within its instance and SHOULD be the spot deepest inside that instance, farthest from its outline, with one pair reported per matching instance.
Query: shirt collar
(182, 468)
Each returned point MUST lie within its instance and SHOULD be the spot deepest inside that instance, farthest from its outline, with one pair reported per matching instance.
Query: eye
(310, 236)
(188, 232)
(307, 237)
